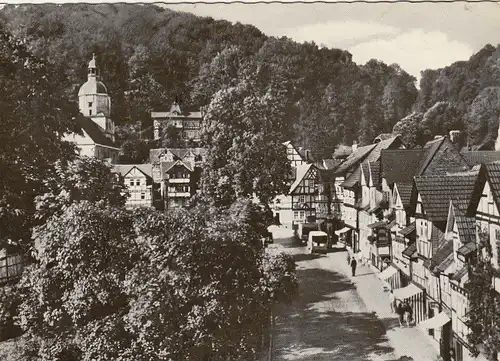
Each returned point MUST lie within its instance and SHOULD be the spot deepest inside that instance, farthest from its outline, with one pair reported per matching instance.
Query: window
(295, 215)
(302, 199)
(131, 182)
(143, 195)
(10, 267)
(497, 234)
(90, 111)
(138, 182)
(90, 104)
(302, 215)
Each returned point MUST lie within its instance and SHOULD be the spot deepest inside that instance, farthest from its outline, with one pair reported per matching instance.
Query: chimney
(306, 151)
(354, 146)
(454, 136)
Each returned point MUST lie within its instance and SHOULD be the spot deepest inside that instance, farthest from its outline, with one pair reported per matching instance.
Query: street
(330, 319)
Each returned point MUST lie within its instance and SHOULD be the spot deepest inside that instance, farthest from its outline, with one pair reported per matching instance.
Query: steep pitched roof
(405, 190)
(375, 174)
(400, 165)
(124, 169)
(94, 131)
(165, 167)
(355, 158)
(155, 154)
(466, 225)
(327, 164)
(390, 143)
(179, 152)
(365, 172)
(353, 179)
(481, 157)
(441, 156)
(493, 176)
(301, 173)
(437, 191)
(442, 253)
(430, 149)
(444, 264)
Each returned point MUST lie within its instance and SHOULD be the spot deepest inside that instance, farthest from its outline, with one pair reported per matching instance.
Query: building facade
(186, 124)
(139, 182)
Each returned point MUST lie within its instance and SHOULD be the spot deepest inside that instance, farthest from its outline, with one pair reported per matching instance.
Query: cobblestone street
(334, 317)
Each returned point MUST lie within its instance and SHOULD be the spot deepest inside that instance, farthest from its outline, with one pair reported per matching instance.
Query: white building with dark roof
(188, 124)
(139, 182)
(97, 135)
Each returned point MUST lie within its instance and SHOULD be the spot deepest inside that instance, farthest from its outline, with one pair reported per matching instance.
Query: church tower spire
(92, 68)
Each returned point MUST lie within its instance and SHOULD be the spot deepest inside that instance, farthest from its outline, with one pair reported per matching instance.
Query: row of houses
(414, 215)
(168, 181)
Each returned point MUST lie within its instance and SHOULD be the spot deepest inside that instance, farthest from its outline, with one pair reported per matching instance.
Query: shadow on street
(328, 321)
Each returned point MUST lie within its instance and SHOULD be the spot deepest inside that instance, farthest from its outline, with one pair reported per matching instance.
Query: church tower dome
(94, 101)
(93, 96)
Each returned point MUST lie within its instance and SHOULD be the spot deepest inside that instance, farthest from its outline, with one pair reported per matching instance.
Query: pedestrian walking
(408, 313)
(400, 311)
(392, 300)
(354, 263)
(348, 258)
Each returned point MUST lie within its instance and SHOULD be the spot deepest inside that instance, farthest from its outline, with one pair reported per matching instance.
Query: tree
(83, 179)
(484, 302)
(109, 284)
(34, 117)
(441, 118)
(171, 138)
(244, 127)
(410, 130)
(136, 151)
(72, 297)
(484, 115)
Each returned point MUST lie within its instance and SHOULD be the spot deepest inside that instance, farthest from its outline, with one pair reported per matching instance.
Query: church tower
(94, 101)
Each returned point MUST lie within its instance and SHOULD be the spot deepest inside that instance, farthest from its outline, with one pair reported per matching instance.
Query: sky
(415, 36)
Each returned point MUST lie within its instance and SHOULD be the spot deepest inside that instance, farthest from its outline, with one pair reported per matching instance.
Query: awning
(408, 230)
(387, 273)
(377, 224)
(341, 231)
(467, 249)
(437, 321)
(407, 292)
(411, 251)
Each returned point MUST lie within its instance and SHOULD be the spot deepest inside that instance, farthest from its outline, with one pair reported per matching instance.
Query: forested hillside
(463, 96)
(150, 56)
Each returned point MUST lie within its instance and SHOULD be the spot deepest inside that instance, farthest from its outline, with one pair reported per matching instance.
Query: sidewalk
(406, 341)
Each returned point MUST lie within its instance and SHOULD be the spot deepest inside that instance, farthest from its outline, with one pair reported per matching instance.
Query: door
(445, 342)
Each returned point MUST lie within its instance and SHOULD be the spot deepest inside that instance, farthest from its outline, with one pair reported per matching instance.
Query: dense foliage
(108, 284)
(463, 96)
(34, 116)
(242, 131)
(484, 303)
(150, 56)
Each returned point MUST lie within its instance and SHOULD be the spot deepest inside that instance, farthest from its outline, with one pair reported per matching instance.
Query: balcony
(178, 194)
(179, 180)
